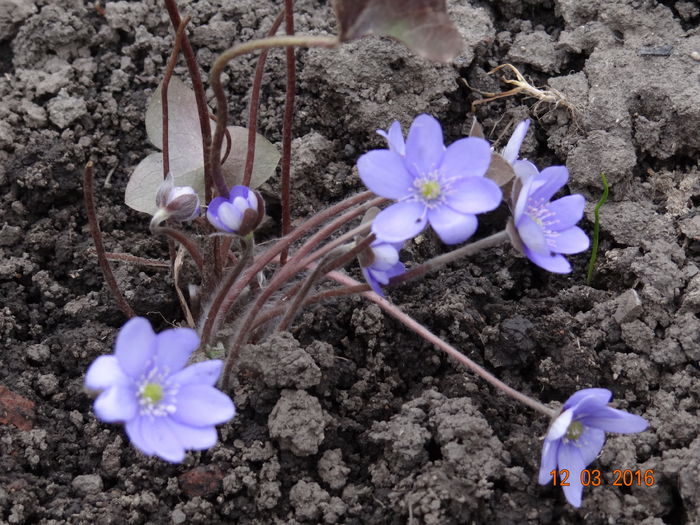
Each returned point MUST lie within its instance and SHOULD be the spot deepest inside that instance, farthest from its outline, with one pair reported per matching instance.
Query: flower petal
(474, 195)
(194, 438)
(525, 170)
(560, 425)
(548, 182)
(385, 256)
(573, 240)
(385, 173)
(512, 149)
(230, 217)
(424, 145)
(174, 347)
(134, 431)
(469, 157)
(116, 404)
(552, 263)
(532, 235)
(105, 372)
(550, 451)
(204, 373)
(394, 138)
(373, 283)
(603, 395)
(161, 439)
(569, 458)
(202, 405)
(213, 214)
(238, 191)
(400, 221)
(451, 226)
(135, 346)
(613, 420)
(566, 212)
(590, 443)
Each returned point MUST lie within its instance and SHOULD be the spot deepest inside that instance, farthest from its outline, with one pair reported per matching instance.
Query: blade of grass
(596, 229)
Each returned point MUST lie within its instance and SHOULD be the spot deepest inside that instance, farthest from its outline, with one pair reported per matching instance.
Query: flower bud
(180, 203)
(240, 213)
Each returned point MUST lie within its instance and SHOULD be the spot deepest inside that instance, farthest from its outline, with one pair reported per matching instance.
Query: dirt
(350, 418)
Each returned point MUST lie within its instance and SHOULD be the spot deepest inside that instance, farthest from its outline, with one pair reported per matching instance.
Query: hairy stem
(212, 317)
(164, 91)
(88, 196)
(200, 97)
(446, 258)
(329, 262)
(255, 104)
(222, 102)
(183, 239)
(287, 122)
(426, 334)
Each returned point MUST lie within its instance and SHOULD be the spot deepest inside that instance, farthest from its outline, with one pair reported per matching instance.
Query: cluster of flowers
(168, 409)
(447, 186)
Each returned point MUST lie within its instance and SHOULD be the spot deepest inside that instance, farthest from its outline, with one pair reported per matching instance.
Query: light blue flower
(167, 409)
(577, 435)
(547, 228)
(443, 187)
(384, 264)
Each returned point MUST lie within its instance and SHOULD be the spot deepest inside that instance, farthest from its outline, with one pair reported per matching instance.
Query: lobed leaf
(186, 151)
(422, 25)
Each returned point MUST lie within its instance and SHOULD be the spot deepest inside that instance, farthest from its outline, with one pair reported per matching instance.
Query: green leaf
(422, 25)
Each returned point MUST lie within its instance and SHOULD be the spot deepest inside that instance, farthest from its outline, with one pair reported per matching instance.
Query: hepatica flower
(577, 436)
(544, 230)
(180, 203)
(383, 264)
(443, 187)
(166, 408)
(240, 213)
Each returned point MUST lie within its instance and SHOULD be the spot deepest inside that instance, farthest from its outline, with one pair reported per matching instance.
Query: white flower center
(156, 394)
(430, 189)
(537, 210)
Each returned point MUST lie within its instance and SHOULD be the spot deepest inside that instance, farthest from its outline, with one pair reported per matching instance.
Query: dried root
(522, 86)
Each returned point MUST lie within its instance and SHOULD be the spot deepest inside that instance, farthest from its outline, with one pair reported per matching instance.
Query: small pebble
(695, 56)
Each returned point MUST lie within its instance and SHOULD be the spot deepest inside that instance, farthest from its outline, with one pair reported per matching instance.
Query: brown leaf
(422, 25)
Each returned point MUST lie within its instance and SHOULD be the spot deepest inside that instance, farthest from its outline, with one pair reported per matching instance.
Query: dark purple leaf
(423, 25)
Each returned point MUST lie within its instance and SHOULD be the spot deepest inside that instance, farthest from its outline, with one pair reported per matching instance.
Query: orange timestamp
(594, 478)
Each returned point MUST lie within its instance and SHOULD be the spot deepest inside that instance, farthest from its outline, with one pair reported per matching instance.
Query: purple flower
(577, 436)
(512, 149)
(544, 229)
(443, 187)
(167, 409)
(239, 214)
(180, 203)
(383, 264)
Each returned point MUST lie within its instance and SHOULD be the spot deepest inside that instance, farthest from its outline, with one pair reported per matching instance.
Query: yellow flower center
(574, 431)
(152, 393)
(430, 189)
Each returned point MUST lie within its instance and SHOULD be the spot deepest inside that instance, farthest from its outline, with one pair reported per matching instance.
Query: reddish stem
(289, 93)
(255, 104)
(164, 92)
(226, 298)
(200, 97)
(96, 233)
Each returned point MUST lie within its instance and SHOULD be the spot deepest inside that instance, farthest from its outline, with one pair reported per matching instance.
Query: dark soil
(351, 418)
